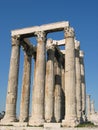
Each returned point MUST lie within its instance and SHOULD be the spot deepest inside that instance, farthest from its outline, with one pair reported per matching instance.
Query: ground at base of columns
(8, 121)
(42, 128)
(46, 126)
(36, 123)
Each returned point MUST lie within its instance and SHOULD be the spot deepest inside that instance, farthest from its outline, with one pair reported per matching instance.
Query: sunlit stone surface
(59, 90)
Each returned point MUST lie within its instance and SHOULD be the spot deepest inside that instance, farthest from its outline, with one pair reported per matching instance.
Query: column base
(84, 118)
(8, 119)
(80, 120)
(70, 122)
(16, 124)
(36, 122)
(23, 119)
(50, 120)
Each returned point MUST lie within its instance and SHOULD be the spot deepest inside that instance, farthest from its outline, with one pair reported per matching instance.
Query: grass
(87, 124)
(35, 126)
(6, 125)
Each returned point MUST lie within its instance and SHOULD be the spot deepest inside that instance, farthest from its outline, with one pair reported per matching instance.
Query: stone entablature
(53, 27)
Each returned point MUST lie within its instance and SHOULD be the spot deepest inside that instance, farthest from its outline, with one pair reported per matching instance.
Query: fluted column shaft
(10, 115)
(39, 85)
(62, 92)
(92, 108)
(49, 86)
(88, 107)
(63, 79)
(25, 95)
(33, 89)
(57, 92)
(83, 86)
(78, 82)
(70, 79)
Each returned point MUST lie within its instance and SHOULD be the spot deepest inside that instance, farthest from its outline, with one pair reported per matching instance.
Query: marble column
(11, 99)
(33, 88)
(57, 92)
(88, 107)
(63, 79)
(83, 86)
(25, 95)
(78, 82)
(39, 85)
(70, 79)
(92, 107)
(62, 92)
(49, 86)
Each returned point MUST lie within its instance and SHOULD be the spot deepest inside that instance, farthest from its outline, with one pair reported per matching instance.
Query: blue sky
(83, 17)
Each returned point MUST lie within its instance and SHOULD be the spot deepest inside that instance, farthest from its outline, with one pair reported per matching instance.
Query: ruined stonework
(59, 91)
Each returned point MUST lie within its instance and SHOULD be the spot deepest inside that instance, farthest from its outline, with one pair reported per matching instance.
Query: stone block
(52, 125)
(58, 26)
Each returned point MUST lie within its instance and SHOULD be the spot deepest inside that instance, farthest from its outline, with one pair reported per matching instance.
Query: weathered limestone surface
(47, 27)
(83, 86)
(39, 90)
(10, 115)
(52, 125)
(63, 78)
(92, 107)
(78, 82)
(93, 117)
(25, 96)
(62, 92)
(57, 92)
(88, 107)
(70, 80)
(41, 128)
(49, 86)
(33, 88)
(59, 42)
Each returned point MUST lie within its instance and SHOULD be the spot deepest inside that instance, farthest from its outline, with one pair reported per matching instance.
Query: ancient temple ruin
(59, 91)
(92, 115)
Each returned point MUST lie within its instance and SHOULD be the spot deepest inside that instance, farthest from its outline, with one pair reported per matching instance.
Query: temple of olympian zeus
(59, 91)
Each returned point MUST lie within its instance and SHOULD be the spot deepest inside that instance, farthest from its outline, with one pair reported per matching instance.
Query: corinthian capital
(15, 40)
(41, 35)
(69, 32)
(50, 44)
